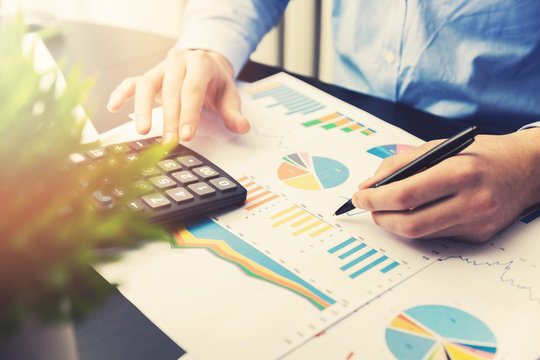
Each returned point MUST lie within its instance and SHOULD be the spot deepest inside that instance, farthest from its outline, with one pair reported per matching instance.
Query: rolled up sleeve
(232, 28)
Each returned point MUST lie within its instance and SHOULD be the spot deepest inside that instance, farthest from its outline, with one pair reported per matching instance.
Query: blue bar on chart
(292, 100)
(367, 267)
(342, 245)
(352, 251)
(359, 259)
(352, 246)
(389, 267)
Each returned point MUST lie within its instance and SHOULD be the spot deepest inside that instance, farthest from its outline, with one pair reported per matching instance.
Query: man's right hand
(183, 82)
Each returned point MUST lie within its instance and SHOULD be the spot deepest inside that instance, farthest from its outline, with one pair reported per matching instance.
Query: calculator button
(150, 171)
(131, 157)
(142, 186)
(163, 182)
(96, 153)
(76, 158)
(223, 184)
(102, 199)
(179, 195)
(205, 172)
(189, 161)
(202, 189)
(156, 201)
(118, 149)
(168, 165)
(135, 205)
(119, 193)
(185, 177)
(139, 145)
(105, 181)
(113, 162)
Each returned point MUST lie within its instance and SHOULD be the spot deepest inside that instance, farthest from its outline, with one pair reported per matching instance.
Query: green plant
(48, 230)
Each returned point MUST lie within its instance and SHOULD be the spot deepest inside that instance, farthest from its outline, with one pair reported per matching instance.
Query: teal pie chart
(440, 332)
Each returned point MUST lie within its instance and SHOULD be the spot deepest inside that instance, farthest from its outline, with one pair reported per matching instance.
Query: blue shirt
(454, 58)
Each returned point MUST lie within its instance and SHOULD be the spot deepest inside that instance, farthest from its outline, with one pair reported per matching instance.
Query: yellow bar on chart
(306, 228)
(355, 127)
(301, 221)
(320, 231)
(275, 216)
(329, 117)
(342, 122)
(288, 218)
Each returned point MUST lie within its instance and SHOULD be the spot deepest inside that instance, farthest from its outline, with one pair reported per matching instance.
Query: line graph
(207, 234)
(506, 266)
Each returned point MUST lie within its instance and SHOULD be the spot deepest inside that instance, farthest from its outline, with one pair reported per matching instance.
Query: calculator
(183, 185)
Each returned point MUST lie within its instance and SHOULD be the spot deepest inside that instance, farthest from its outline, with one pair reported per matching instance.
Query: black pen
(444, 150)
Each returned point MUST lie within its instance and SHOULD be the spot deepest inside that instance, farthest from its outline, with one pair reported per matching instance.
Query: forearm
(231, 28)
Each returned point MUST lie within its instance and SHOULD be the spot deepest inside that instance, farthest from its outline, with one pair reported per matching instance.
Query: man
(476, 58)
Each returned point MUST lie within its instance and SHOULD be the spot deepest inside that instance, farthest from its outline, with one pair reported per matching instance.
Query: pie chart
(439, 332)
(385, 151)
(306, 172)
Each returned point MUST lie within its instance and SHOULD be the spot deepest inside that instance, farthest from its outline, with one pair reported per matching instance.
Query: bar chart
(300, 221)
(339, 121)
(359, 258)
(283, 96)
(257, 195)
(354, 256)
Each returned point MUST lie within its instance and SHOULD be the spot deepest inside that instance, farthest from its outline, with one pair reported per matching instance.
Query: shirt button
(390, 57)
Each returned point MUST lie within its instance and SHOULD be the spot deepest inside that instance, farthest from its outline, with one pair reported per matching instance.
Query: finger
(146, 88)
(396, 162)
(425, 221)
(229, 107)
(173, 79)
(423, 188)
(192, 98)
(121, 93)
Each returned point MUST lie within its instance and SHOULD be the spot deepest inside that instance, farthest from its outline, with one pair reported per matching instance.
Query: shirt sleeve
(232, 28)
(531, 125)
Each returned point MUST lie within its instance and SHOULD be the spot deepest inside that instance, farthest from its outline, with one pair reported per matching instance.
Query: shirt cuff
(531, 125)
(214, 36)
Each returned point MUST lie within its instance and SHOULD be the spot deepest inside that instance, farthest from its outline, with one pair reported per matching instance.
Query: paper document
(261, 281)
